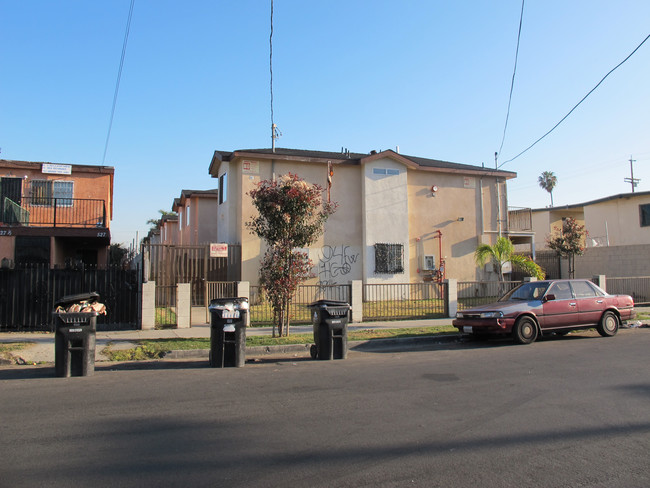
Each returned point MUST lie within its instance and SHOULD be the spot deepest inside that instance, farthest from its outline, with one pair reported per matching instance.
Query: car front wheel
(608, 325)
(524, 331)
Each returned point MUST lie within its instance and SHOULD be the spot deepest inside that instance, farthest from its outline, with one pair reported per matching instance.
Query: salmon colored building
(58, 214)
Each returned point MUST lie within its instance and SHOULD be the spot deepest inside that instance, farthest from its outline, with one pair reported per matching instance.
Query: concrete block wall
(613, 261)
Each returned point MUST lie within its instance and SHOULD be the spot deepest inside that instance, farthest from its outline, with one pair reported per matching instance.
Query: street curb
(396, 344)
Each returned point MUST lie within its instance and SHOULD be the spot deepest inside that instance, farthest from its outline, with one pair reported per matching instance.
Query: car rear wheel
(608, 325)
(524, 331)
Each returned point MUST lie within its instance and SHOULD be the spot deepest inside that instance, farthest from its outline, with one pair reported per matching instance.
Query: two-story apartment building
(197, 217)
(57, 214)
(428, 216)
(618, 233)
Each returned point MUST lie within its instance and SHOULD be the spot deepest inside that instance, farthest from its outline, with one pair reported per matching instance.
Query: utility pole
(632, 180)
(496, 168)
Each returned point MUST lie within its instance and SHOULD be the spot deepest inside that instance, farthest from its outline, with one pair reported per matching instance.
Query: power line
(576, 106)
(514, 71)
(119, 77)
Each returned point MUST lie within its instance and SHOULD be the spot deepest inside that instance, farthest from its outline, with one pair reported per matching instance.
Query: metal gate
(169, 265)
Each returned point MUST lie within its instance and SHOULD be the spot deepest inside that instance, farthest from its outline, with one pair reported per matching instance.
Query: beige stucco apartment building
(420, 212)
(618, 233)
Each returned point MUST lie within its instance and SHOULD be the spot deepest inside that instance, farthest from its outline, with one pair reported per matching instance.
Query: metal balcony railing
(54, 212)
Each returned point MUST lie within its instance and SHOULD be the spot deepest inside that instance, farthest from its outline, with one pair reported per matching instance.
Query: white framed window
(63, 191)
(385, 171)
(187, 216)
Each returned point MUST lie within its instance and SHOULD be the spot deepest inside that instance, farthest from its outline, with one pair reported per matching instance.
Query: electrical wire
(119, 77)
(576, 106)
(514, 71)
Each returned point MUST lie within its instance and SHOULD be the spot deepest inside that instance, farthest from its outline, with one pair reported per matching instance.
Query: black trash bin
(228, 332)
(330, 321)
(74, 337)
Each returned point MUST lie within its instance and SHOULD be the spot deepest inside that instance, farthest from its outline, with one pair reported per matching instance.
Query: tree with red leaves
(291, 215)
(569, 242)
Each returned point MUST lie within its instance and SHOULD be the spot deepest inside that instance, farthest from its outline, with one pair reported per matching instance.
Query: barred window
(644, 213)
(44, 193)
(389, 258)
(63, 191)
(41, 192)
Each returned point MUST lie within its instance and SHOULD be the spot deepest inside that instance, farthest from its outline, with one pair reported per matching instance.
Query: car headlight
(491, 315)
(459, 315)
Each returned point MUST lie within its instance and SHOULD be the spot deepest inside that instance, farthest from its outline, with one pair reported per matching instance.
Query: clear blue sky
(431, 77)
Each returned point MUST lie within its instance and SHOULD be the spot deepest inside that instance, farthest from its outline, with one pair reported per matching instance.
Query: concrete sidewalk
(41, 344)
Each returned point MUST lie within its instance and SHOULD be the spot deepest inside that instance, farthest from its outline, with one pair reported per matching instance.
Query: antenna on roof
(275, 133)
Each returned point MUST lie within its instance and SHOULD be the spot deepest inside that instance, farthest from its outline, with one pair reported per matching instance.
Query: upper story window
(46, 192)
(223, 187)
(644, 214)
(385, 171)
(180, 218)
(187, 216)
(389, 258)
(63, 192)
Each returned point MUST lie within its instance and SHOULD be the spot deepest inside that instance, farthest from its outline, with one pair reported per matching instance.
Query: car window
(562, 291)
(581, 289)
(527, 291)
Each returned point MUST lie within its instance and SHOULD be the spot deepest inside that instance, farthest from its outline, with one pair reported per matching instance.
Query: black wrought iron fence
(28, 294)
(475, 293)
(403, 301)
(261, 312)
(166, 305)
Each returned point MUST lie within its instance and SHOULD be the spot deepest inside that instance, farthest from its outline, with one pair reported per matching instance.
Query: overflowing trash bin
(228, 332)
(74, 336)
(330, 321)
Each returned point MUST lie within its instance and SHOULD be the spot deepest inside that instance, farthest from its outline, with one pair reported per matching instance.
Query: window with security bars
(644, 214)
(45, 191)
(389, 258)
(41, 191)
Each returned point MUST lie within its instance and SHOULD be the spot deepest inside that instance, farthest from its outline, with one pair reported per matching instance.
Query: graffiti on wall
(336, 265)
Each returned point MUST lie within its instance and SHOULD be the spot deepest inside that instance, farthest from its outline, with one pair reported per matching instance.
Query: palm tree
(501, 253)
(547, 181)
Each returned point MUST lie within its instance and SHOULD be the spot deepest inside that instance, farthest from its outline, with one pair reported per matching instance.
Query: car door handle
(572, 304)
(599, 301)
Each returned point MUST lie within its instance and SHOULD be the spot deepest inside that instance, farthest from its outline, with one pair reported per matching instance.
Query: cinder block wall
(612, 261)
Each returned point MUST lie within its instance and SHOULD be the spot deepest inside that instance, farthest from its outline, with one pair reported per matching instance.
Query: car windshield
(528, 291)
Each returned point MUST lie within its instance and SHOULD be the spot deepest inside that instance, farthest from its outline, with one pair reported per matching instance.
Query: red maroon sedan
(543, 307)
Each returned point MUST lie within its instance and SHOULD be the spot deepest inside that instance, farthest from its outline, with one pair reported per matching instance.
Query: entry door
(10, 188)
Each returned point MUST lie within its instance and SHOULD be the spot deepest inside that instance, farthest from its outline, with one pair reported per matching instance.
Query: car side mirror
(548, 298)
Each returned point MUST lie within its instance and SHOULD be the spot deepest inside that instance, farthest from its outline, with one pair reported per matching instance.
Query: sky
(430, 76)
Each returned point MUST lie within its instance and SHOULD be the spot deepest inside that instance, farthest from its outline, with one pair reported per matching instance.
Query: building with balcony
(58, 214)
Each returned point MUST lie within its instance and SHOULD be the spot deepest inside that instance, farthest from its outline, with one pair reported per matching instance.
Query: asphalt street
(562, 412)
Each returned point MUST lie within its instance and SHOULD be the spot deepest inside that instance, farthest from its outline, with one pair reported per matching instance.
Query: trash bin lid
(233, 303)
(92, 296)
(328, 303)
